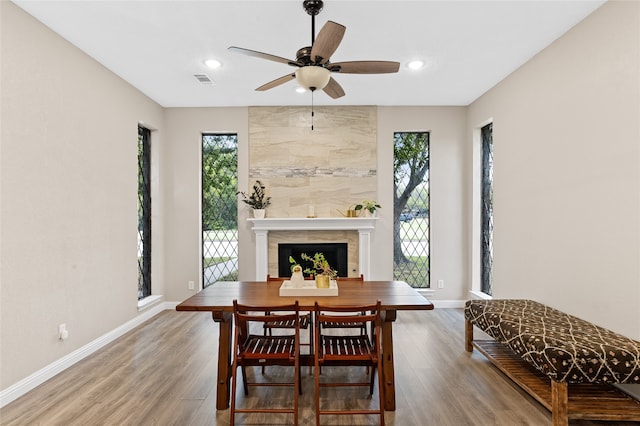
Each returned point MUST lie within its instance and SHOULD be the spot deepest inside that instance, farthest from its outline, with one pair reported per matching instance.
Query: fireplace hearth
(364, 226)
(335, 253)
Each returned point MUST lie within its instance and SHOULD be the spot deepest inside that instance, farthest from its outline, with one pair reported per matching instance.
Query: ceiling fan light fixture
(313, 77)
(416, 65)
(213, 63)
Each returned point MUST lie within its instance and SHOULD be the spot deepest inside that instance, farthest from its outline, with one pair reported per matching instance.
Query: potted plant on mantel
(258, 199)
(367, 207)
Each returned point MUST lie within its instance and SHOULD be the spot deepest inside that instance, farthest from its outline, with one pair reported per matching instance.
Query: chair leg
(380, 392)
(317, 392)
(234, 377)
(297, 380)
(372, 380)
(311, 337)
(244, 381)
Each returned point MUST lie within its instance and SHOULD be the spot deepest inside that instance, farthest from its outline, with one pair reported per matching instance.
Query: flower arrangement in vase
(320, 269)
(257, 200)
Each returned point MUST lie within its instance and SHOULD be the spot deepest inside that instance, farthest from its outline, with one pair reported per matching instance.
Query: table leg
(559, 403)
(225, 319)
(388, 374)
(468, 336)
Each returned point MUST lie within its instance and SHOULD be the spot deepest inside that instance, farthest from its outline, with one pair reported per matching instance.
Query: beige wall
(567, 172)
(446, 182)
(69, 196)
(182, 189)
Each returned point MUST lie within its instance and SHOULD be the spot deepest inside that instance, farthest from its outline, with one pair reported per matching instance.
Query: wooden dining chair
(334, 348)
(250, 350)
(305, 324)
(305, 319)
(347, 325)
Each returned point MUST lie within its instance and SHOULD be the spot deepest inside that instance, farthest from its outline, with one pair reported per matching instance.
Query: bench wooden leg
(468, 336)
(559, 403)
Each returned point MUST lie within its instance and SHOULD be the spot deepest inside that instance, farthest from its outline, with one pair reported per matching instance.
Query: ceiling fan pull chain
(312, 114)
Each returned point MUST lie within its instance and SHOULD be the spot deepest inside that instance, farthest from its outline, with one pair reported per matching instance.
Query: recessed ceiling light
(416, 65)
(213, 63)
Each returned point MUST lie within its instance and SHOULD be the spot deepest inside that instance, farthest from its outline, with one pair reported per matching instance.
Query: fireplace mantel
(363, 225)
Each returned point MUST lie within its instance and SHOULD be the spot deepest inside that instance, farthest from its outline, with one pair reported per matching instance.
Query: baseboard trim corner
(448, 304)
(20, 388)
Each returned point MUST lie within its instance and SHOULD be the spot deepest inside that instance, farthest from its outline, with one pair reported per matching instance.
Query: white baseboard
(437, 303)
(478, 295)
(440, 304)
(20, 388)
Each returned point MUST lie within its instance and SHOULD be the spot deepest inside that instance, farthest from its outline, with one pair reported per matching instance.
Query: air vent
(203, 78)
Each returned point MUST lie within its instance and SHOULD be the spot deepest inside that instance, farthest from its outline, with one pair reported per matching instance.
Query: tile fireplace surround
(363, 225)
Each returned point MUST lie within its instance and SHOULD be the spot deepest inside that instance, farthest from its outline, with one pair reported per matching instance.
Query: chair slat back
(353, 316)
(245, 314)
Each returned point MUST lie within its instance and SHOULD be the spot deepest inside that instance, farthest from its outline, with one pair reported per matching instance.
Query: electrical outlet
(440, 283)
(63, 334)
(192, 285)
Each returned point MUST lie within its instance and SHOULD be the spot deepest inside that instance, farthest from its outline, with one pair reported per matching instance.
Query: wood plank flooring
(164, 372)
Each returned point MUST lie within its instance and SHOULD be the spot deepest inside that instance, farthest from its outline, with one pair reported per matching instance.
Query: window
(411, 208)
(219, 208)
(486, 210)
(144, 213)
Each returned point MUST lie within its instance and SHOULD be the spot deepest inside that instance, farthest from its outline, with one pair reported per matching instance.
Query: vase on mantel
(258, 213)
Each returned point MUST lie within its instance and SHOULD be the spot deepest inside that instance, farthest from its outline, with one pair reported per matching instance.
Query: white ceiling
(158, 46)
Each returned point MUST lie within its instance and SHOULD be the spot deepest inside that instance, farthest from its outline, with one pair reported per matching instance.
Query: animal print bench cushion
(564, 347)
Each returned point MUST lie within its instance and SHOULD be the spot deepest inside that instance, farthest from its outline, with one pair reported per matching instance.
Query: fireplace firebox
(335, 253)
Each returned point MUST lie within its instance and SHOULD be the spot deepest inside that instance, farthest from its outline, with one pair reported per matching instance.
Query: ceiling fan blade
(266, 56)
(277, 82)
(327, 42)
(364, 67)
(333, 89)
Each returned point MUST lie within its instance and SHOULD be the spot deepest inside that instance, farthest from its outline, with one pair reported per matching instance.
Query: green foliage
(319, 265)
(294, 264)
(410, 157)
(415, 272)
(219, 182)
(368, 205)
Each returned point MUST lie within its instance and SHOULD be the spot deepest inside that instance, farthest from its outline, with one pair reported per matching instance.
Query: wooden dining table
(218, 299)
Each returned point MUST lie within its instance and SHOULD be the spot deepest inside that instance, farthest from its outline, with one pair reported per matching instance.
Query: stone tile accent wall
(331, 167)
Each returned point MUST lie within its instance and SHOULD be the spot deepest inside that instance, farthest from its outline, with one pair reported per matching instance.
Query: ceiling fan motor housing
(303, 55)
(312, 7)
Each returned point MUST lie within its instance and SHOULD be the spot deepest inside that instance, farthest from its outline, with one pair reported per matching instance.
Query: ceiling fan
(314, 68)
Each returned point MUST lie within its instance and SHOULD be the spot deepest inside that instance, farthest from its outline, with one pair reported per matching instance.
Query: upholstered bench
(534, 343)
